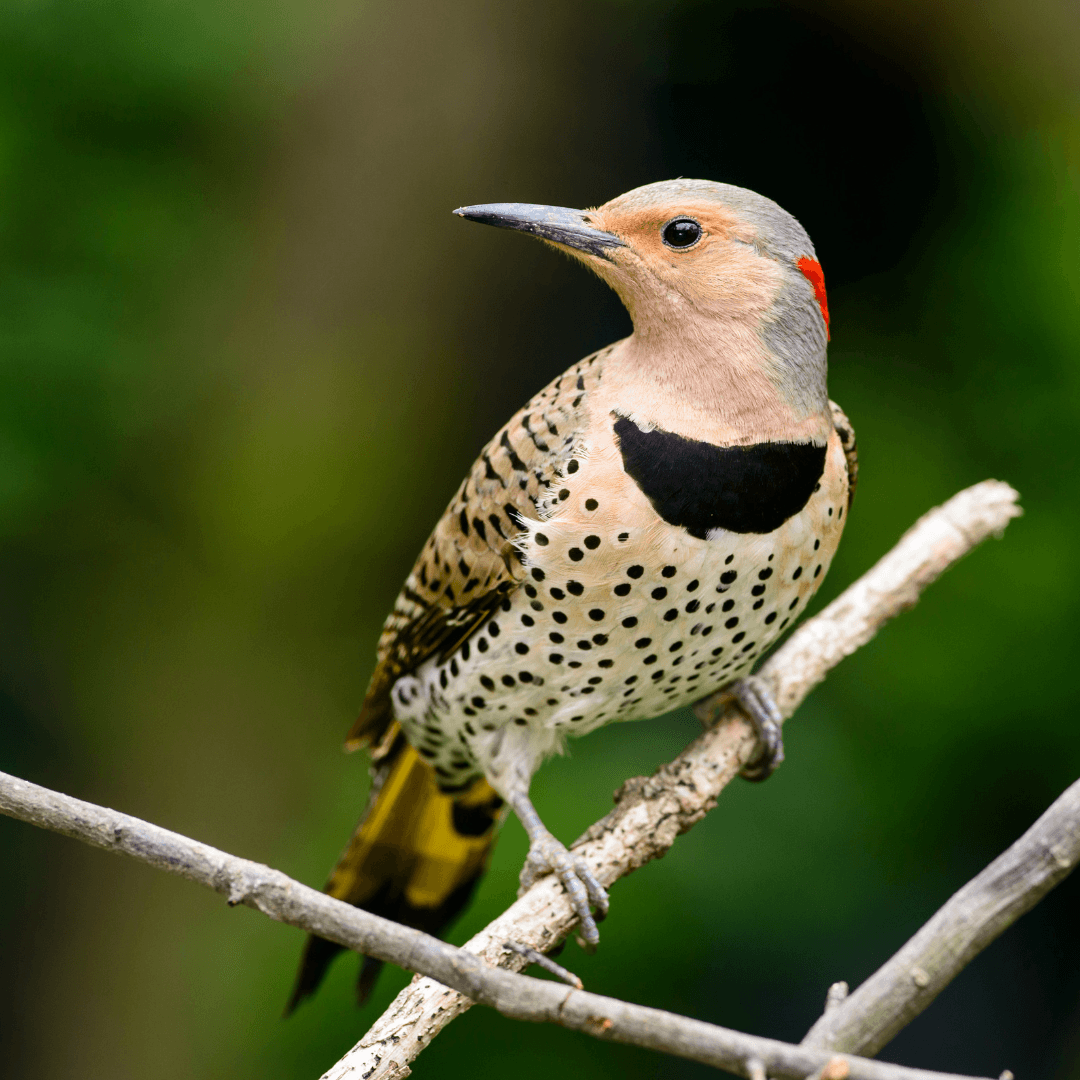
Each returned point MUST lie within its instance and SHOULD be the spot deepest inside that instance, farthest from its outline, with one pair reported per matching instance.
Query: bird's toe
(759, 705)
(581, 885)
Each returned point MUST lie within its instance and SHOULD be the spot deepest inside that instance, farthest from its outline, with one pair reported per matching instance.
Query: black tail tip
(369, 974)
(318, 953)
(316, 960)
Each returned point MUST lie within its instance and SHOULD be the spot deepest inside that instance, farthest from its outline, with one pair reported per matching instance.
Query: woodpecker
(631, 541)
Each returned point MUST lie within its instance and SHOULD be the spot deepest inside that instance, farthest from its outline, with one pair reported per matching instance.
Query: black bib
(744, 489)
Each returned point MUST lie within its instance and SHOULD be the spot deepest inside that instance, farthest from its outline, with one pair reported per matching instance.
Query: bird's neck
(720, 385)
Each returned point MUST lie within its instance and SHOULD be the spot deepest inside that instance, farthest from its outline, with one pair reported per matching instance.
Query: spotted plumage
(636, 536)
(470, 562)
(613, 615)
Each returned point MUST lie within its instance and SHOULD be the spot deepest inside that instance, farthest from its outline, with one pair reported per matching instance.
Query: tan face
(719, 274)
(723, 323)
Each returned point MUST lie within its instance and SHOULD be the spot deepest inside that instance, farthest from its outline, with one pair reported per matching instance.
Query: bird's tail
(415, 857)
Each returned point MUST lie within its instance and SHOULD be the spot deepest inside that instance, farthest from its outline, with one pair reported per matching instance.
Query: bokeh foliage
(245, 355)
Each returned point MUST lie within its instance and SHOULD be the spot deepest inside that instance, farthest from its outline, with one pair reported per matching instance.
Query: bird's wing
(470, 564)
(851, 447)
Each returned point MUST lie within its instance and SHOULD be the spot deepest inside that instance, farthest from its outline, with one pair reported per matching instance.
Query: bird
(632, 540)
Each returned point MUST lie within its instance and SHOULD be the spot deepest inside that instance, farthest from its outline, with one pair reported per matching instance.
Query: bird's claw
(757, 702)
(548, 855)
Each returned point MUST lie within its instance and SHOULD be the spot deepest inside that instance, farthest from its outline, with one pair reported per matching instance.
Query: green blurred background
(246, 353)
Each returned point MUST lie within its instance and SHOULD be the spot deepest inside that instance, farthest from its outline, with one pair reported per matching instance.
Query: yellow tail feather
(409, 838)
(415, 857)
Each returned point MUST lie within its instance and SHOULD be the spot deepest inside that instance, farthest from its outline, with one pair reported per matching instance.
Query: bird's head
(699, 264)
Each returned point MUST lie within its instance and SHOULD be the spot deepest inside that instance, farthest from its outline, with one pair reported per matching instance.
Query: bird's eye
(681, 232)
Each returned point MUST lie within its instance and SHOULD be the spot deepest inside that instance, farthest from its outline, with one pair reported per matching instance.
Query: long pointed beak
(558, 224)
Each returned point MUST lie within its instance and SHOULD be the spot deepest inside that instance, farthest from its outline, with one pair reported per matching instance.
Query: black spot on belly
(744, 489)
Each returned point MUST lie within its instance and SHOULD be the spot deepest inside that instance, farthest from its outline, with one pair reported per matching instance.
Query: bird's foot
(757, 702)
(548, 855)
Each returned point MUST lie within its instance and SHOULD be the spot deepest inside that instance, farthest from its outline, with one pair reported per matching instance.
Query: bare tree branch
(988, 904)
(651, 812)
(517, 996)
(649, 815)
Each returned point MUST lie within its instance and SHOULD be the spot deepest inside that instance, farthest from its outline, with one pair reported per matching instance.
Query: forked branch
(649, 815)
(514, 995)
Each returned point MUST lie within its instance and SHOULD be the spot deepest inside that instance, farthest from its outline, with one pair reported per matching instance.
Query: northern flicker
(632, 540)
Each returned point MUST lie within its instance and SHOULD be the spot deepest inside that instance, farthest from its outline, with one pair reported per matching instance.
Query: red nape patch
(813, 273)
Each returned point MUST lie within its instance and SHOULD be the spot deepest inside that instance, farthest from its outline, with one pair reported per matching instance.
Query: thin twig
(517, 996)
(651, 812)
(992, 901)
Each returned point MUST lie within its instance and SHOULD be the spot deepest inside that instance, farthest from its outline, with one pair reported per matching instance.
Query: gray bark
(271, 892)
(901, 988)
